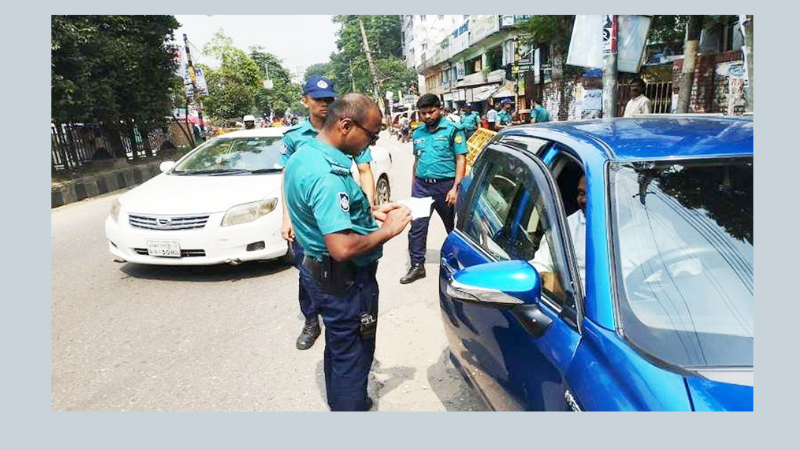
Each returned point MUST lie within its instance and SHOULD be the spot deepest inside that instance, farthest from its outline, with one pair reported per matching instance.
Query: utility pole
(190, 68)
(376, 84)
(610, 67)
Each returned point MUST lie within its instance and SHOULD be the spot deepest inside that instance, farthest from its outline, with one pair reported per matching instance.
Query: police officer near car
(440, 149)
(335, 225)
(469, 120)
(318, 94)
(504, 118)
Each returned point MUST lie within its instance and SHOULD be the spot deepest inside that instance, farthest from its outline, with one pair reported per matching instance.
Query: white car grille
(168, 223)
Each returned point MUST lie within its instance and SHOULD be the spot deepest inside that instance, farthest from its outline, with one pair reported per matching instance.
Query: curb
(101, 183)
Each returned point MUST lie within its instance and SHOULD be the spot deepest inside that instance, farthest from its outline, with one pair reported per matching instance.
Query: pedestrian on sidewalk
(335, 225)
(639, 103)
(539, 114)
(440, 163)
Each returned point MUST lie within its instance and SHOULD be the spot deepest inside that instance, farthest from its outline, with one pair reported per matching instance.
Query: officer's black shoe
(370, 404)
(309, 335)
(416, 272)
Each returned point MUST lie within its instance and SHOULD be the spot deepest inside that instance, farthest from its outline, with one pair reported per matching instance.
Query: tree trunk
(148, 150)
(694, 28)
(748, 56)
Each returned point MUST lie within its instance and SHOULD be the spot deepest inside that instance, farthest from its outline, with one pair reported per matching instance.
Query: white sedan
(220, 203)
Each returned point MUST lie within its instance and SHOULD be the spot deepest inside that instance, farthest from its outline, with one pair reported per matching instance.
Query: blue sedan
(606, 265)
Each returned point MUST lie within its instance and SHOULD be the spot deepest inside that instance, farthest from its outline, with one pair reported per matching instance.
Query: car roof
(256, 132)
(652, 137)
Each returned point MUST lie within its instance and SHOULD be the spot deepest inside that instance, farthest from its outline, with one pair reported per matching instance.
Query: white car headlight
(249, 212)
(115, 207)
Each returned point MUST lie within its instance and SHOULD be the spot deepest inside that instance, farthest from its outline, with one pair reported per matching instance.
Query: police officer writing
(318, 93)
(336, 227)
(440, 148)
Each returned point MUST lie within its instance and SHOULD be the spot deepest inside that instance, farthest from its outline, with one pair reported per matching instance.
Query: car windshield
(241, 155)
(684, 259)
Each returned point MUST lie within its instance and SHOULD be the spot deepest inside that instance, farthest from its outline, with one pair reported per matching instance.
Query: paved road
(129, 337)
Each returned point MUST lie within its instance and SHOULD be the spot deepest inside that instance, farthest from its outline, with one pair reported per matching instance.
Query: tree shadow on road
(220, 272)
(452, 389)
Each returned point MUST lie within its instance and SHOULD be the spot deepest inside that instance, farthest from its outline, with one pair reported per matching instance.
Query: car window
(235, 154)
(511, 217)
(529, 143)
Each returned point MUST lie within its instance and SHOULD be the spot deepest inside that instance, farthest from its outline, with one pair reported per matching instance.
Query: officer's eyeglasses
(373, 137)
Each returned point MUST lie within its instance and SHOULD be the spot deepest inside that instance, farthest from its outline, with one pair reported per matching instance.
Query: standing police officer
(440, 148)
(470, 120)
(318, 93)
(336, 227)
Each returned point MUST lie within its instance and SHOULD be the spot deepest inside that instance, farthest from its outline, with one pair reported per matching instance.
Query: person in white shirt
(576, 222)
(491, 117)
(638, 104)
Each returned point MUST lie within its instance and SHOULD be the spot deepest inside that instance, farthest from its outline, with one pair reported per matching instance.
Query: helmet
(249, 118)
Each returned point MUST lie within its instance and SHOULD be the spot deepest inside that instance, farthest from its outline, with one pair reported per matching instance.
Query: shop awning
(506, 90)
(481, 93)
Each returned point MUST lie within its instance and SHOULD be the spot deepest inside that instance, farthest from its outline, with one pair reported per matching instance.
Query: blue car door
(510, 208)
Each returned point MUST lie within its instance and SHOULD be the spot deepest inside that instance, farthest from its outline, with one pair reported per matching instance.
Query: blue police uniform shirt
(540, 114)
(301, 133)
(503, 117)
(436, 150)
(323, 198)
(470, 121)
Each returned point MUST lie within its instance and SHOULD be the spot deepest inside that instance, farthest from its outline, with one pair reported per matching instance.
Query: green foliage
(349, 67)
(321, 69)
(284, 95)
(113, 70)
(233, 85)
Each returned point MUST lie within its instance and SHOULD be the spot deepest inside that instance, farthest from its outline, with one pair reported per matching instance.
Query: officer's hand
(287, 232)
(397, 220)
(452, 196)
(380, 211)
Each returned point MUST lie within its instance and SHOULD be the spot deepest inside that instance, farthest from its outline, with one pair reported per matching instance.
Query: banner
(200, 82)
(587, 45)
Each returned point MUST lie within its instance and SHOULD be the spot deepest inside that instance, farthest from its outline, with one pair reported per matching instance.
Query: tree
(117, 71)
(284, 94)
(321, 69)
(556, 33)
(233, 86)
(349, 67)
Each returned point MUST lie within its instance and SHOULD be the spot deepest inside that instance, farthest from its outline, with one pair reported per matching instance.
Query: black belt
(434, 180)
(335, 277)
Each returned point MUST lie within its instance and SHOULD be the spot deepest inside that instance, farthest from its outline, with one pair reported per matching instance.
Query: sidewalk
(112, 176)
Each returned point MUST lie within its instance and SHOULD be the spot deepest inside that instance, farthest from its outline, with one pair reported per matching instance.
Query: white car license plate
(169, 249)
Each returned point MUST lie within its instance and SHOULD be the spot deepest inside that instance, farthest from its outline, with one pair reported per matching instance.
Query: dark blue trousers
(418, 234)
(306, 305)
(348, 357)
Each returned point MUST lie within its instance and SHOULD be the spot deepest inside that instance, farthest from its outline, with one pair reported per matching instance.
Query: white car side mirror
(166, 165)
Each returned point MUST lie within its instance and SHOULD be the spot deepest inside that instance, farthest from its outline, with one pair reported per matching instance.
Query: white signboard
(482, 26)
(460, 69)
(586, 46)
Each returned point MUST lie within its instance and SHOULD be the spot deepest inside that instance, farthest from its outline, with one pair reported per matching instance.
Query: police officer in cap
(318, 94)
(470, 120)
(335, 224)
(440, 148)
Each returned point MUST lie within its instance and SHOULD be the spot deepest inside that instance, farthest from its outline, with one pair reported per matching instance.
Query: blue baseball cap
(505, 101)
(319, 87)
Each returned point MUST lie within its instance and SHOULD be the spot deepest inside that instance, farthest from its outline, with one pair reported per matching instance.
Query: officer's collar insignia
(344, 201)
(322, 85)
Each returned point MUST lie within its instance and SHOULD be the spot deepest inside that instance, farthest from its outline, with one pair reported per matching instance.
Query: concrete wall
(101, 183)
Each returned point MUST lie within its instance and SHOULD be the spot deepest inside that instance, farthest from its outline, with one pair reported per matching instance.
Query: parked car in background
(642, 301)
(220, 203)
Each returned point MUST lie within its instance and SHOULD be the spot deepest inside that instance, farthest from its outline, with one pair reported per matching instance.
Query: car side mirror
(166, 166)
(504, 283)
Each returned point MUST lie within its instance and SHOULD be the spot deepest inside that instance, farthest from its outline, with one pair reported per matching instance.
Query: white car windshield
(241, 155)
(684, 259)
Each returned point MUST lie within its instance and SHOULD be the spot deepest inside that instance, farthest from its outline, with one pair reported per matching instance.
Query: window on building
(495, 57)
(472, 66)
